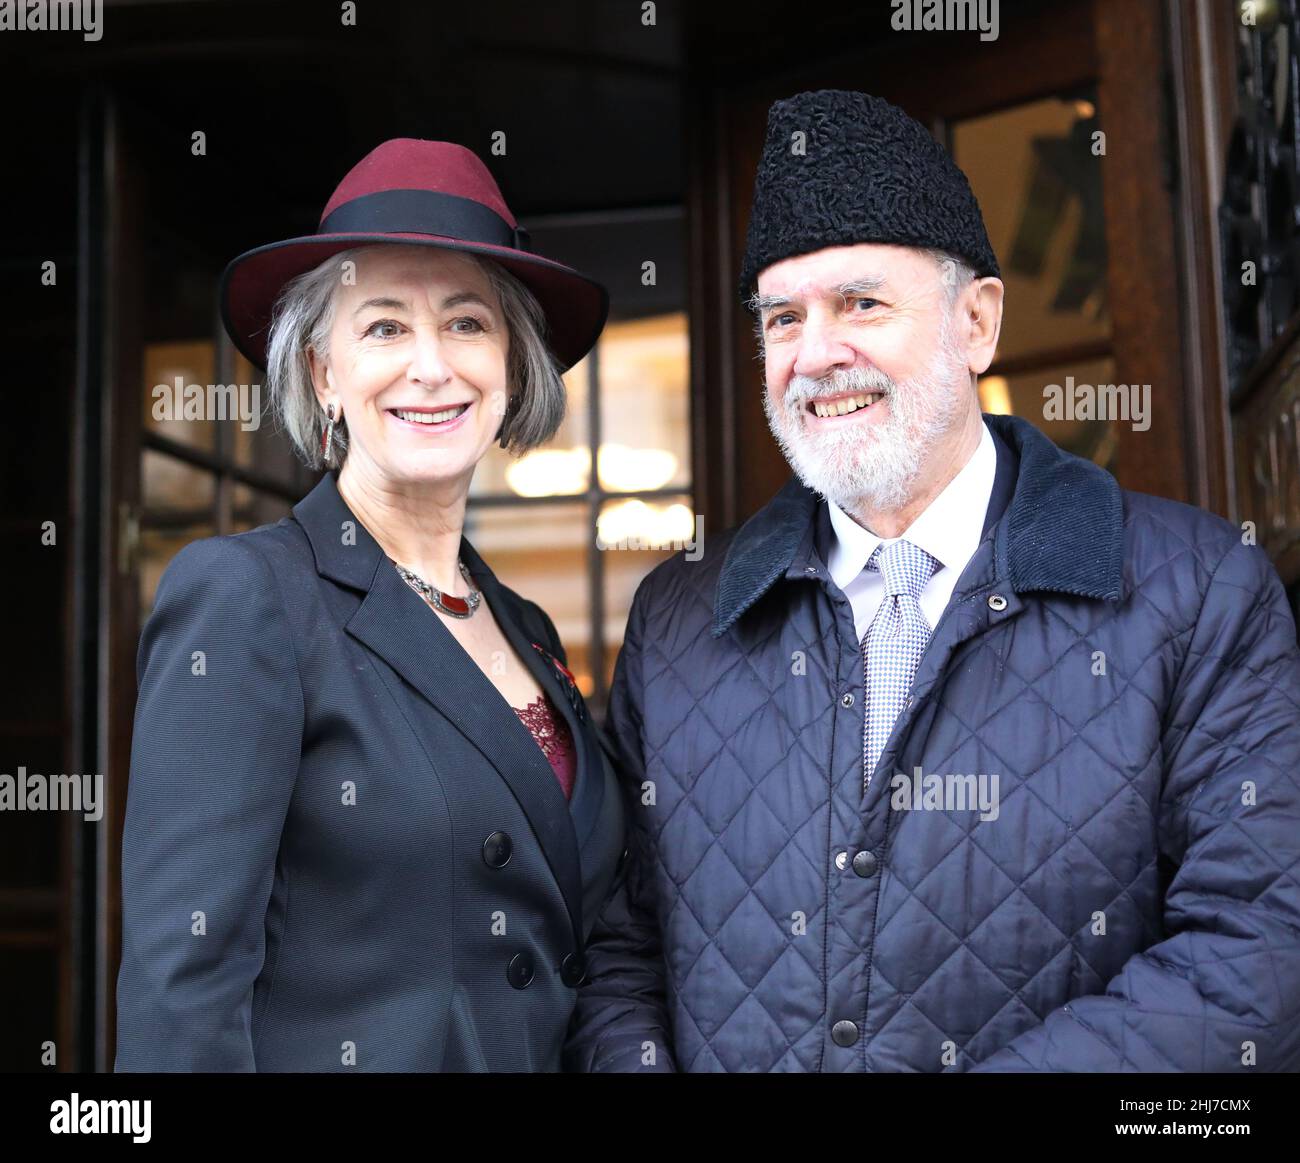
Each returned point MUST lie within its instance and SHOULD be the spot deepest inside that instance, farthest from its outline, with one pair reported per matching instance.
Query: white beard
(872, 467)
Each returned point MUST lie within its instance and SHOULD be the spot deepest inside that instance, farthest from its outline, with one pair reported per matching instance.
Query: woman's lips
(439, 420)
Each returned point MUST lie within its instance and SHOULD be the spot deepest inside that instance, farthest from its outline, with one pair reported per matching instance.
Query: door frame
(1120, 46)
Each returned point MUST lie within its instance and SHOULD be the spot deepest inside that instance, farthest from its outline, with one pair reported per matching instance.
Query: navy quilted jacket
(1125, 666)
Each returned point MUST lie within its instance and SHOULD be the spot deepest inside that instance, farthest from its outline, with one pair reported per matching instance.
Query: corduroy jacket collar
(1062, 529)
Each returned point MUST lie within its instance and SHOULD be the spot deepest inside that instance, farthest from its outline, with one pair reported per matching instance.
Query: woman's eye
(374, 329)
(868, 302)
(471, 325)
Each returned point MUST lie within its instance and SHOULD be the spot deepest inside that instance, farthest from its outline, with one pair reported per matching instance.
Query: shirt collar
(948, 529)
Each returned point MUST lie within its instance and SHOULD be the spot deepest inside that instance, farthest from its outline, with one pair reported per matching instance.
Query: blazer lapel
(526, 638)
(396, 624)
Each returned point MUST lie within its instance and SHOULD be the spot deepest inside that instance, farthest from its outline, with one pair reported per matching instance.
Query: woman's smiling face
(417, 364)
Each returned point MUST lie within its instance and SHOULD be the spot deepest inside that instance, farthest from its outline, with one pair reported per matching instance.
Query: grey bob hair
(304, 315)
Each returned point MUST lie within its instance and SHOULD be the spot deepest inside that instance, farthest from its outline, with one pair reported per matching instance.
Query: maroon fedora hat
(427, 193)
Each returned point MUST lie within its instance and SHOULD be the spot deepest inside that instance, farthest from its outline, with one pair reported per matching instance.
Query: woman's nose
(428, 365)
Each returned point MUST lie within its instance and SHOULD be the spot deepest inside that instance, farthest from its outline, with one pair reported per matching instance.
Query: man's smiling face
(868, 388)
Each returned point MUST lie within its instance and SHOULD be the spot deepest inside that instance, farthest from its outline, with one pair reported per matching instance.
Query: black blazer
(343, 850)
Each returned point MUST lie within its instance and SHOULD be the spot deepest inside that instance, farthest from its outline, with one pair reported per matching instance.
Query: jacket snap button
(841, 860)
(864, 864)
(847, 700)
(497, 849)
(573, 970)
(520, 970)
(844, 1033)
(997, 602)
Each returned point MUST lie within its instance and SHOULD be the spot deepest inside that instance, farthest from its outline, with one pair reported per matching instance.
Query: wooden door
(179, 463)
(1086, 239)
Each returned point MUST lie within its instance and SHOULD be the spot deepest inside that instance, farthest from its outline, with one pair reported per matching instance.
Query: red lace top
(554, 738)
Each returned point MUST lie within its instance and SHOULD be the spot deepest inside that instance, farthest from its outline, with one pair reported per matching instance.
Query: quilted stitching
(975, 938)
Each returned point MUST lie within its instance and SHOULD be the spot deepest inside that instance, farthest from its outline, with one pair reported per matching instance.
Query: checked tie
(894, 642)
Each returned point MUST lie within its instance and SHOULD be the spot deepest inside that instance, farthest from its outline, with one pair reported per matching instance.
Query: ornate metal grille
(1259, 217)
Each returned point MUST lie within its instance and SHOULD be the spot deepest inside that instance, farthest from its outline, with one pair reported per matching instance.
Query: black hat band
(424, 212)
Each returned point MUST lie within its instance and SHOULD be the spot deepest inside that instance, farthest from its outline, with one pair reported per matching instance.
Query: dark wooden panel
(1202, 60)
(937, 77)
(29, 972)
(1140, 240)
(37, 333)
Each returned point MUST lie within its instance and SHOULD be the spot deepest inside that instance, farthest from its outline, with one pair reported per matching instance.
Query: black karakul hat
(864, 171)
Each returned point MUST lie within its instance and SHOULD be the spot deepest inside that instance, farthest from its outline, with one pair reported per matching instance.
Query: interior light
(544, 472)
(995, 396)
(630, 470)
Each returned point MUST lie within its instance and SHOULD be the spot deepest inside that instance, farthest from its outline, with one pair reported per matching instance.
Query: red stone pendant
(454, 604)
(447, 603)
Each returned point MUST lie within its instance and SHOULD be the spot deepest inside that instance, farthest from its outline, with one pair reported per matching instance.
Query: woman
(369, 820)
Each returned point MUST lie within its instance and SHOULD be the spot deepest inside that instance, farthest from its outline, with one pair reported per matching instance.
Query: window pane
(178, 505)
(174, 492)
(170, 369)
(1064, 393)
(562, 466)
(645, 404)
(262, 446)
(637, 536)
(241, 438)
(540, 551)
(254, 507)
(1039, 187)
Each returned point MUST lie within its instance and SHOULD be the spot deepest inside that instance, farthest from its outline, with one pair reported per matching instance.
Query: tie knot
(906, 568)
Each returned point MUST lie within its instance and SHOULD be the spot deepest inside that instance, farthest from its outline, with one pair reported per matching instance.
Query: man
(979, 763)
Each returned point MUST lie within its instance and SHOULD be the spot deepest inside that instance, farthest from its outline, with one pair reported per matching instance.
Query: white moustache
(804, 388)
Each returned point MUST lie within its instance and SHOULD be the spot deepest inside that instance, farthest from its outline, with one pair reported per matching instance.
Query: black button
(573, 970)
(497, 849)
(864, 864)
(844, 1033)
(520, 970)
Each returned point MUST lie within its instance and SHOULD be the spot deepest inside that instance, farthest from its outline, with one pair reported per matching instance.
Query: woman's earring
(327, 437)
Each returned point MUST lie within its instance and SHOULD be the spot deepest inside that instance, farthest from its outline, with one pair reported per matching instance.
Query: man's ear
(984, 322)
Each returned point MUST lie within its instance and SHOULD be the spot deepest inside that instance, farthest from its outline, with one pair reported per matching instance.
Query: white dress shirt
(949, 529)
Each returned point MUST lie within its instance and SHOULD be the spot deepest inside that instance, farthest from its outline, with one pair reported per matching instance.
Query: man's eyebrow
(862, 285)
(761, 303)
